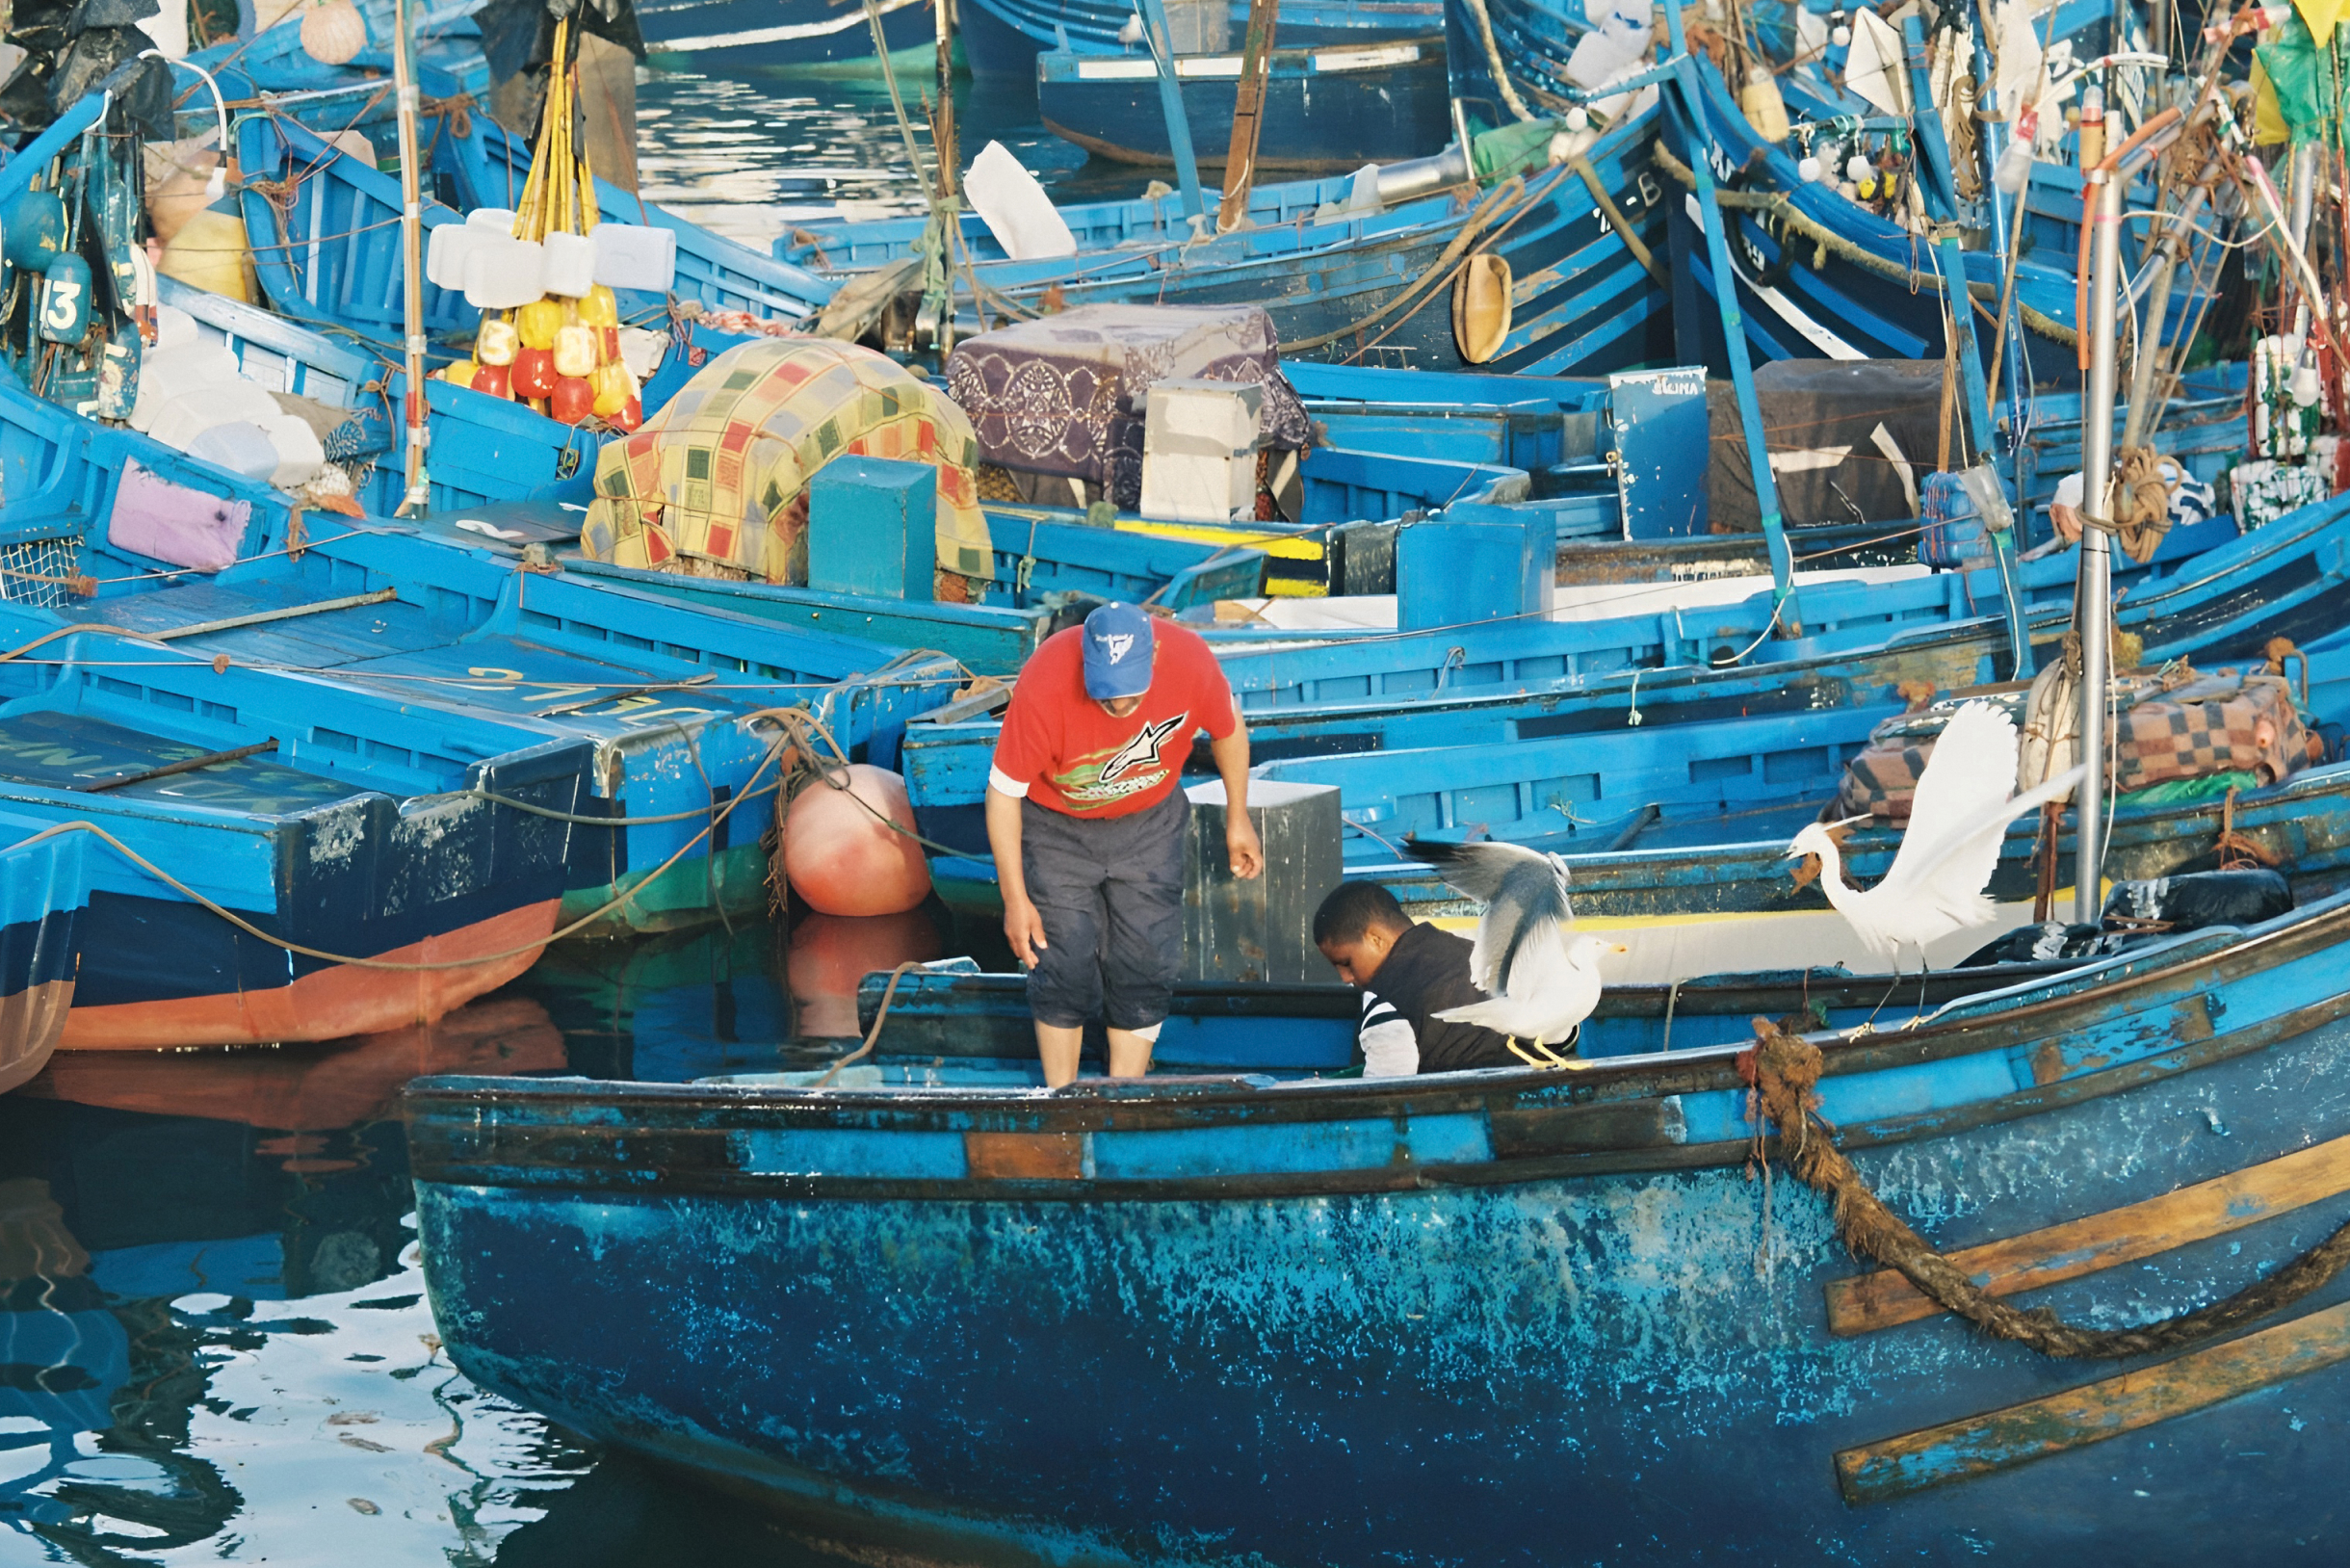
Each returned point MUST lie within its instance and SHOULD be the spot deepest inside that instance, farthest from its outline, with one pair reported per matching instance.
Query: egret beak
(1617, 947)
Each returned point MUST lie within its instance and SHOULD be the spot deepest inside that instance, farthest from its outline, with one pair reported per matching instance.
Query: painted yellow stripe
(2104, 1240)
(1961, 1451)
(1280, 546)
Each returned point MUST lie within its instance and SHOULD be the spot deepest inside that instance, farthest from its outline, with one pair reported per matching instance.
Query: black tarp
(1810, 409)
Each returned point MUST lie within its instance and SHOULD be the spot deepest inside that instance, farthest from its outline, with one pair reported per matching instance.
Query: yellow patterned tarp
(715, 482)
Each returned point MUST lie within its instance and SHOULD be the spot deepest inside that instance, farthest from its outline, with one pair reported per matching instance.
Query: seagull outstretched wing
(1526, 910)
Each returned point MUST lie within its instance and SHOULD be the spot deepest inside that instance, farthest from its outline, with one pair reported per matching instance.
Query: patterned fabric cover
(1066, 394)
(2214, 724)
(715, 482)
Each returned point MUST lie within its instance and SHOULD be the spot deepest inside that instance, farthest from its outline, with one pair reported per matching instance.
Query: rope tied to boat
(1781, 1071)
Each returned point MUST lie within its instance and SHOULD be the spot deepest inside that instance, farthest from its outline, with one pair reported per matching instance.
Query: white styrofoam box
(1197, 487)
(180, 421)
(238, 445)
(165, 373)
(446, 247)
(571, 264)
(1210, 418)
(498, 220)
(642, 351)
(633, 256)
(300, 455)
(1015, 208)
(174, 327)
(502, 273)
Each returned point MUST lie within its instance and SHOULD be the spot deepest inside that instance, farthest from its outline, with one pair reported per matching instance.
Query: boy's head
(1356, 926)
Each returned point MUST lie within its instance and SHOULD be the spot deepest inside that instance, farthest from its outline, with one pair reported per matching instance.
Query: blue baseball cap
(1118, 641)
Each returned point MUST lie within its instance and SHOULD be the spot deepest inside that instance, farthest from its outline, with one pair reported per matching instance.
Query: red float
(830, 954)
(843, 858)
(533, 373)
(574, 400)
(494, 380)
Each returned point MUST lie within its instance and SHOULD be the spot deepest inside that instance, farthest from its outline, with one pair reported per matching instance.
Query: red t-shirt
(1060, 749)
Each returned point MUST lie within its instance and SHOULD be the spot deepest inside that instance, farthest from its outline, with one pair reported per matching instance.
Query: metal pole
(418, 497)
(2304, 204)
(2094, 600)
(1686, 96)
(1162, 39)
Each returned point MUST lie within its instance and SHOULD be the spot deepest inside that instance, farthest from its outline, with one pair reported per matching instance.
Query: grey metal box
(1260, 930)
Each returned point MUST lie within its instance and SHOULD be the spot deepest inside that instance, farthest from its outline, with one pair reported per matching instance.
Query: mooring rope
(1783, 1071)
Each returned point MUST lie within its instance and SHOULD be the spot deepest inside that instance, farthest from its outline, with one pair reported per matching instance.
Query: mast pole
(418, 496)
(2095, 599)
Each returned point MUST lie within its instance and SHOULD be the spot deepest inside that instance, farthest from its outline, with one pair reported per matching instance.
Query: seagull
(1542, 977)
(1130, 34)
(1958, 817)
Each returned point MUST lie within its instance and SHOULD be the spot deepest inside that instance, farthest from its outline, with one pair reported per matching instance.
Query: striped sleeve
(1390, 1047)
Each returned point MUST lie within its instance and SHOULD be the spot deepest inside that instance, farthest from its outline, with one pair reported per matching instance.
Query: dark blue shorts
(1110, 893)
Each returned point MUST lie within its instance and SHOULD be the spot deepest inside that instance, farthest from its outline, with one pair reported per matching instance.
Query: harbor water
(216, 1346)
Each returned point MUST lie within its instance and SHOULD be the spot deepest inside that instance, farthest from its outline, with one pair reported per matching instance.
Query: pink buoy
(843, 858)
(832, 953)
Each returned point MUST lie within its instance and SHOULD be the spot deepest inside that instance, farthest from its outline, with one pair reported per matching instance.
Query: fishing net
(39, 572)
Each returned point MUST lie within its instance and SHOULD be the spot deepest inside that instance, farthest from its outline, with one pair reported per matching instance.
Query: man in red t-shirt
(1085, 814)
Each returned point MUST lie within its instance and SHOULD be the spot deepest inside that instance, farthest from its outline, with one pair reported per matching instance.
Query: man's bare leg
(1130, 1053)
(1058, 1048)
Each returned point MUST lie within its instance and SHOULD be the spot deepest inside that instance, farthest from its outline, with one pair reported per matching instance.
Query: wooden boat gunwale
(679, 1136)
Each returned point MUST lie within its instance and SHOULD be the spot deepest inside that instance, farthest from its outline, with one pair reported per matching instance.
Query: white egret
(1964, 801)
(1543, 977)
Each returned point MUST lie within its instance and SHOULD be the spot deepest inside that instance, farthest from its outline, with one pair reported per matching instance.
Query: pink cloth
(173, 523)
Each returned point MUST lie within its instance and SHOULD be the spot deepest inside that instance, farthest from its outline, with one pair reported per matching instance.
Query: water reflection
(212, 1330)
(749, 159)
(214, 1338)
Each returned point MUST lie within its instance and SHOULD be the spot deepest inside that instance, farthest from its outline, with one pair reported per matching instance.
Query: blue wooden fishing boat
(452, 622)
(1569, 736)
(330, 256)
(1347, 278)
(44, 889)
(282, 858)
(1641, 1351)
(1822, 276)
(1326, 108)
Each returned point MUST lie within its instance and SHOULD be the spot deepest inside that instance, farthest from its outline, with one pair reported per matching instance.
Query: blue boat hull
(1324, 111)
(1502, 1318)
(44, 891)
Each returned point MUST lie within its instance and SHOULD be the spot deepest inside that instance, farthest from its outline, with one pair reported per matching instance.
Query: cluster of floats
(331, 694)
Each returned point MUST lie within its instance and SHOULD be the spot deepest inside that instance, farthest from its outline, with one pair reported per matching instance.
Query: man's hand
(1024, 929)
(1241, 847)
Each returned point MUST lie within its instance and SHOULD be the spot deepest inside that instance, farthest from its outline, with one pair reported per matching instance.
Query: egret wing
(1955, 822)
(1944, 867)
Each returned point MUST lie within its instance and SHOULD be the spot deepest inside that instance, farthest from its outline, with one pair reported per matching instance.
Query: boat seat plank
(1995, 1440)
(74, 752)
(1866, 1302)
